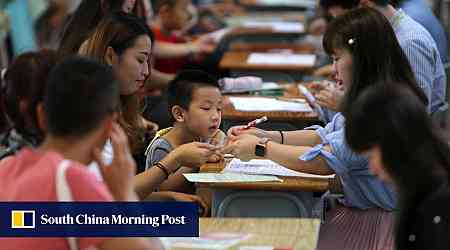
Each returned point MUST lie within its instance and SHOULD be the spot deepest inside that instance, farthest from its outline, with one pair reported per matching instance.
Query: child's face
(179, 15)
(205, 112)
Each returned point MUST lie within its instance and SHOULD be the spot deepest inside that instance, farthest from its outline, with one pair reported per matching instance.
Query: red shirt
(168, 65)
(31, 176)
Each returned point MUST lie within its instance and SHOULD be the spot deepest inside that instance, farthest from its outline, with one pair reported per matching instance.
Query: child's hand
(119, 175)
(219, 139)
(215, 157)
(194, 154)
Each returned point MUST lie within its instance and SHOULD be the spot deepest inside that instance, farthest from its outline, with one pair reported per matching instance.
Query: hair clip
(351, 41)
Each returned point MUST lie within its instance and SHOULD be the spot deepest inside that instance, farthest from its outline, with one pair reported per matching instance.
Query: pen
(255, 122)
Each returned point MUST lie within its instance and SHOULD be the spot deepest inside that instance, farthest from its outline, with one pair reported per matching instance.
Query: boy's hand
(119, 175)
(194, 154)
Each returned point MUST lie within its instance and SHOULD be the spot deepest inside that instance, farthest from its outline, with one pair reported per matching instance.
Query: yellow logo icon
(22, 219)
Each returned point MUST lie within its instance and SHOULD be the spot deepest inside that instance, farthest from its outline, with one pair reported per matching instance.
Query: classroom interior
(275, 76)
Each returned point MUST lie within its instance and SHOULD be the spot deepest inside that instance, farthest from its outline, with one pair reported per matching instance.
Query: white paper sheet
(282, 59)
(266, 167)
(293, 3)
(267, 104)
(280, 26)
(210, 241)
(228, 177)
(265, 86)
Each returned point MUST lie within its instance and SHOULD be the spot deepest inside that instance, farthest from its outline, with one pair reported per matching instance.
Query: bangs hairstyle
(119, 31)
(185, 83)
(376, 54)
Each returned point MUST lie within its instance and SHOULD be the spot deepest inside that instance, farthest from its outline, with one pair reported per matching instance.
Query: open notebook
(266, 167)
(268, 104)
(307, 60)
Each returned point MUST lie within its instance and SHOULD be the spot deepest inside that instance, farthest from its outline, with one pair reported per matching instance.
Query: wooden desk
(264, 47)
(294, 197)
(288, 184)
(230, 113)
(298, 234)
(280, 5)
(237, 60)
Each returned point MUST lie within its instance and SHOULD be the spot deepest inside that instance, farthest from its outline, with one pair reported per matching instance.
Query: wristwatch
(260, 148)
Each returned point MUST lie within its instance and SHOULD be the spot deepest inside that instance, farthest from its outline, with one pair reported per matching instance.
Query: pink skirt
(355, 229)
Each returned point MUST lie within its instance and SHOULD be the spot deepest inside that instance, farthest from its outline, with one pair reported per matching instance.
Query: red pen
(255, 122)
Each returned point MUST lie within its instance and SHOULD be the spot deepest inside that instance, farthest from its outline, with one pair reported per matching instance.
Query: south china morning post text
(99, 219)
(114, 219)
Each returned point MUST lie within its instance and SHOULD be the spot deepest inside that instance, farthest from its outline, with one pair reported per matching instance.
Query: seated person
(195, 103)
(72, 141)
(171, 50)
(407, 150)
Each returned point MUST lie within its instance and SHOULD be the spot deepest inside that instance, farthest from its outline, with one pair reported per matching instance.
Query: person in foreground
(364, 215)
(81, 105)
(406, 149)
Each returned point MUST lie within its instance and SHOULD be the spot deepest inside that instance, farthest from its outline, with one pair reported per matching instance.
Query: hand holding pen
(255, 122)
(249, 128)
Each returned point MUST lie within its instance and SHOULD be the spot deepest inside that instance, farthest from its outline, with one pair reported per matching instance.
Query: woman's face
(376, 164)
(342, 67)
(133, 67)
(128, 5)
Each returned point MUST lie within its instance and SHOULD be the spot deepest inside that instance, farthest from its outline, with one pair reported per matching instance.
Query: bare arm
(298, 137)
(147, 181)
(287, 156)
(177, 182)
(243, 147)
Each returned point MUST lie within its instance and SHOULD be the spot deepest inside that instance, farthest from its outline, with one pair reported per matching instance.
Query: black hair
(83, 21)
(414, 153)
(376, 58)
(25, 80)
(118, 30)
(80, 93)
(185, 83)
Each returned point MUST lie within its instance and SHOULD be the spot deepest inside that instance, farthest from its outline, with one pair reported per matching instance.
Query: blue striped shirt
(361, 188)
(424, 57)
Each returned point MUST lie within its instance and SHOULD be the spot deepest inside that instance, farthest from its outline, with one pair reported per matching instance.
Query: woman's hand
(330, 97)
(241, 130)
(242, 146)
